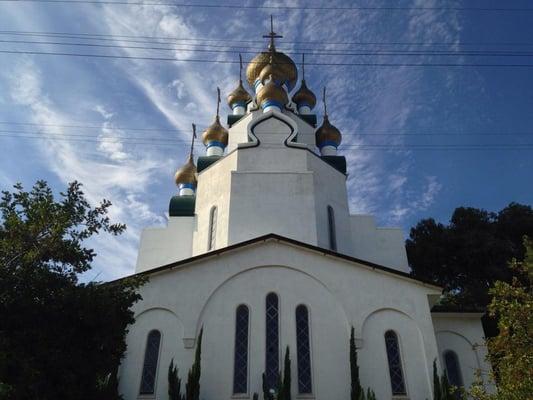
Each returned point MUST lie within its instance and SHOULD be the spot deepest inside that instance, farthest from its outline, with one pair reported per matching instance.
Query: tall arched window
(453, 370)
(303, 350)
(331, 229)
(212, 228)
(272, 341)
(395, 363)
(240, 366)
(151, 356)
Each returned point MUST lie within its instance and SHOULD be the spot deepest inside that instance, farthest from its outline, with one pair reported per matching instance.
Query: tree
(356, 388)
(357, 392)
(58, 338)
(442, 390)
(469, 254)
(284, 389)
(192, 387)
(511, 351)
(174, 382)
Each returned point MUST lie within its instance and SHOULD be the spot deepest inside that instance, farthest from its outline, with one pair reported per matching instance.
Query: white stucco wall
(463, 334)
(338, 294)
(161, 246)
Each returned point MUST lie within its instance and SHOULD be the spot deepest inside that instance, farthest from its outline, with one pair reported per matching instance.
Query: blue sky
(120, 126)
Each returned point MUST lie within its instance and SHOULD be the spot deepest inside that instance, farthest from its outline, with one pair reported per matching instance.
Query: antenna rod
(192, 141)
(218, 100)
(240, 67)
(324, 101)
(303, 66)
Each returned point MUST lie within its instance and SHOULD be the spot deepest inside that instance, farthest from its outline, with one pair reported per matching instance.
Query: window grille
(453, 369)
(331, 229)
(240, 372)
(151, 356)
(303, 350)
(212, 229)
(272, 341)
(395, 363)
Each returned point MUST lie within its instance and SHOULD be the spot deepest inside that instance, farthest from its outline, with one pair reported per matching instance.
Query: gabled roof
(293, 242)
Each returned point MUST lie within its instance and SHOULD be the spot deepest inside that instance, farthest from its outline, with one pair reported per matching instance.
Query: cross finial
(272, 35)
(192, 141)
(218, 101)
(240, 67)
(303, 66)
(324, 101)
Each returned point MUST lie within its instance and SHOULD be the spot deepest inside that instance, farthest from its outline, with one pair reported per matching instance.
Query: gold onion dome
(283, 68)
(304, 96)
(186, 174)
(239, 96)
(215, 133)
(327, 134)
(272, 94)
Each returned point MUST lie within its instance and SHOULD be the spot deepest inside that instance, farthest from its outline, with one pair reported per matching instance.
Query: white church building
(261, 251)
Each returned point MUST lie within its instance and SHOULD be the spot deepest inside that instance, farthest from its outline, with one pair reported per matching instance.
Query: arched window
(395, 363)
(240, 366)
(453, 369)
(212, 228)
(151, 355)
(272, 341)
(331, 229)
(303, 350)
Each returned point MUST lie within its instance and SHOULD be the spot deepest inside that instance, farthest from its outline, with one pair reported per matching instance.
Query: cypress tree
(174, 382)
(285, 393)
(357, 392)
(192, 388)
(437, 393)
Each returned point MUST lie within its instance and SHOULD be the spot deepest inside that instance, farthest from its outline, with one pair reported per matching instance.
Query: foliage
(356, 389)
(357, 392)
(192, 387)
(255, 396)
(266, 391)
(442, 390)
(511, 351)
(284, 389)
(58, 338)
(174, 382)
(469, 254)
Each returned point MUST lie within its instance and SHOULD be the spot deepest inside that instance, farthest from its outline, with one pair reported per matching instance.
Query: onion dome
(239, 97)
(304, 97)
(272, 95)
(328, 135)
(186, 175)
(215, 133)
(283, 68)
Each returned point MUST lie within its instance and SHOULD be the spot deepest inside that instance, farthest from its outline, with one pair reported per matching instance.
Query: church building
(261, 253)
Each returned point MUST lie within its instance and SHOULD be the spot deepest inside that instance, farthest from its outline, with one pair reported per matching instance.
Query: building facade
(261, 251)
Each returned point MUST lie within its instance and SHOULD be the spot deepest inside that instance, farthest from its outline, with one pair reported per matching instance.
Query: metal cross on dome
(272, 35)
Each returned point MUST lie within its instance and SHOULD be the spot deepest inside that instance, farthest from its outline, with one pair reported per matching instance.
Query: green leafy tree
(59, 338)
(511, 351)
(192, 387)
(468, 255)
(174, 382)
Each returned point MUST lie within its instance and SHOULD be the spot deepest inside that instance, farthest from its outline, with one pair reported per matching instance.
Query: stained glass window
(452, 368)
(212, 229)
(151, 355)
(395, 363)
(331, 229)
(303, 350)
(272, 341)
(240, 373)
